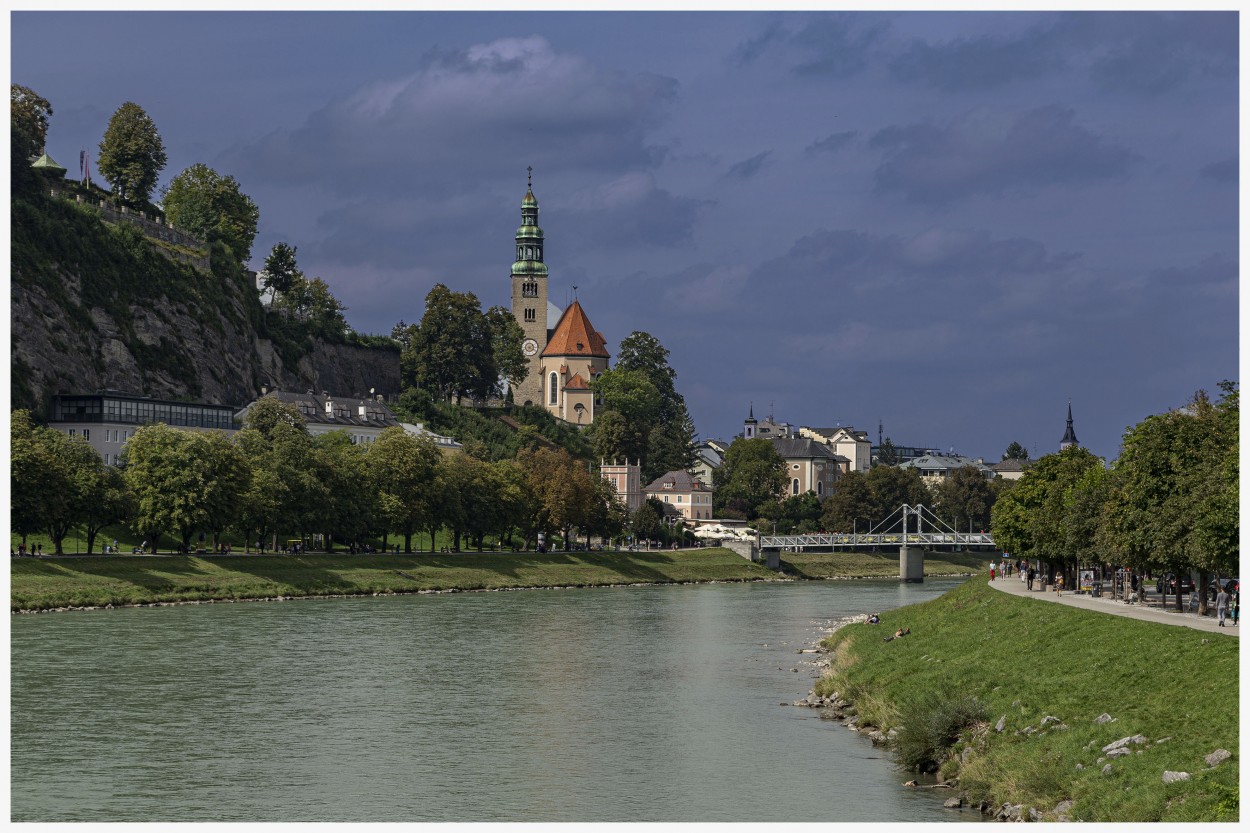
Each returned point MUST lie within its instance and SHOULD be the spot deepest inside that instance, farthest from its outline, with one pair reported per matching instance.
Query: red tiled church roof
(577, 382)
(575, 336)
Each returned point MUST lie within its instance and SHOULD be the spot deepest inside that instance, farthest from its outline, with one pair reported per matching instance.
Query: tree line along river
(615, 704)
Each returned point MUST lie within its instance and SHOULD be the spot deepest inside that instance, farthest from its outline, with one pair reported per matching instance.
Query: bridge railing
(768, 542)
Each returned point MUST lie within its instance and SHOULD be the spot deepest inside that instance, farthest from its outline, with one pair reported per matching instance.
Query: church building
(564, 358)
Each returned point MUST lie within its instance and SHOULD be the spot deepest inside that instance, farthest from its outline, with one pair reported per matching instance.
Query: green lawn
(1028, 659)
(119, 580)
(126, 579)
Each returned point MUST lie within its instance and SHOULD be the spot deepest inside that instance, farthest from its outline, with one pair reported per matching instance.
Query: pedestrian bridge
(929, 540)
(904, 528)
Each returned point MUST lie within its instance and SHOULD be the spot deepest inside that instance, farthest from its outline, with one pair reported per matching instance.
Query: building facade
(689, 496)
(845, 440)
(626, 479)
(811, 466)
(574, 356)
(108, 418)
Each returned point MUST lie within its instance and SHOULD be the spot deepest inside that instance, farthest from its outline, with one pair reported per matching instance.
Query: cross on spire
(529, 176)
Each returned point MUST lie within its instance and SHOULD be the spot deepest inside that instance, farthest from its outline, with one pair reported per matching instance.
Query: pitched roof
(803, 447)
(576, 383)
(1012, 464)
(678, 481)
(574, 335)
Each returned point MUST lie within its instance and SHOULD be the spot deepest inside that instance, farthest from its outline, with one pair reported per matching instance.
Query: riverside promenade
(1105, 604)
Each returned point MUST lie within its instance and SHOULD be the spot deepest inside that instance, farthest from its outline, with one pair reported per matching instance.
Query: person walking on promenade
(1059, 584)
(1031, 573)
(1221, 605)
(992, 571)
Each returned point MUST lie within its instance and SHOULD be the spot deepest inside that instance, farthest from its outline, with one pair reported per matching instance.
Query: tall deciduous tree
(451, 352)
(965, 499)
(39, 483)
(852, 507)
(132, 154)
(406, 468)
(752, 474)
(506, 337)
(183, 481)
(281, 269)
(28, 114)
(211, 206)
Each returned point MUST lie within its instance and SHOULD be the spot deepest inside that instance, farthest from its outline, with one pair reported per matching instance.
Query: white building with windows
(691, 497)
(108, 418)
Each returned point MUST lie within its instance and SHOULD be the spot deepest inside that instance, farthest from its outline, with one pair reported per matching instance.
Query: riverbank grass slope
(98, 581)
(1026, 660)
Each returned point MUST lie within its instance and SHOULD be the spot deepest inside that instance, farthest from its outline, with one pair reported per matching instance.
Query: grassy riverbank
(41, 584)
(1028, 659)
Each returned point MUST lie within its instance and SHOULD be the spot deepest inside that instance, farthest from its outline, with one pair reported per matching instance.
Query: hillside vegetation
(976, 655)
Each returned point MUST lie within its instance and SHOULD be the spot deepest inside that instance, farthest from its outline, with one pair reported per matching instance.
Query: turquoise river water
(599, 705)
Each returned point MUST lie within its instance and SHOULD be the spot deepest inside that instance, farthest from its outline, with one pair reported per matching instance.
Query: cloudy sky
(948, 223)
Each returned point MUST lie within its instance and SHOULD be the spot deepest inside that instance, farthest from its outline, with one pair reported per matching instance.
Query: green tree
(506, 337)
(893, 486)
(752, 474)
(670, 437)
(28, 115)
(183, 481)
(623, 423)
(852, 507)
(965, 499)
(131, 154)
(647, 520)
(39, 483)
(887, 454)
(1015, 451)
(203, 202)
(106, 501)
(1175, 484)
(281, 269)
(1029, 519)
(406, 468)
(451, 352)
(349, 505)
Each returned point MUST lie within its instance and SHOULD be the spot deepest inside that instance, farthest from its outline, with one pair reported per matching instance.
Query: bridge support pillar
(911, 564)
(771, 559)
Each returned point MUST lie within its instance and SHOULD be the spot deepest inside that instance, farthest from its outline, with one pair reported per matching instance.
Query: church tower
(749, 426)
(1069, 436)
(529, 296)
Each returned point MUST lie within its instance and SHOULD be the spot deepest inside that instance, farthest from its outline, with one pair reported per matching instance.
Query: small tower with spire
(1069, 436)
(751, 423)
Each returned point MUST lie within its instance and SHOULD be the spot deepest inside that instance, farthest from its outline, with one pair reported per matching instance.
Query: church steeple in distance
(748, 427)
(529, 293)
(1069, 436)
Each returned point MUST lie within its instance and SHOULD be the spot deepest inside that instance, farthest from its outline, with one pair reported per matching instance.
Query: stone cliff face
(178, 355)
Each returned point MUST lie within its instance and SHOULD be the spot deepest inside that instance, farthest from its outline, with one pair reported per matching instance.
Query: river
(597, 705)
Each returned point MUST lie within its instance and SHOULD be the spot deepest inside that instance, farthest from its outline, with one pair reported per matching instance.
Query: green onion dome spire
(529, 237)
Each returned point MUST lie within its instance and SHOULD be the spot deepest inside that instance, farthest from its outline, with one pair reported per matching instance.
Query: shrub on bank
(930, 726)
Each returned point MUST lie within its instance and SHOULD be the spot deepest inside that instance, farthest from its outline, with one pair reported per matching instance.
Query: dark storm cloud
(1154, 53)
(976, 63)
(832, 46)
(993, 153)
(748, 168)
(832, 142)
(1224, 171)
(489, 108)
(628, 213)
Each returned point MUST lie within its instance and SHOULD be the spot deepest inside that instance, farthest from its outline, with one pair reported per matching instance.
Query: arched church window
(794, 486)
(555, 384)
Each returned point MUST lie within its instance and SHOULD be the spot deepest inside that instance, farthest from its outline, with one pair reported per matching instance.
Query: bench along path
(1105, 604)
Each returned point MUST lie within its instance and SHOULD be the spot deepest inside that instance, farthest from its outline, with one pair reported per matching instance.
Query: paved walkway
(1149, 612)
